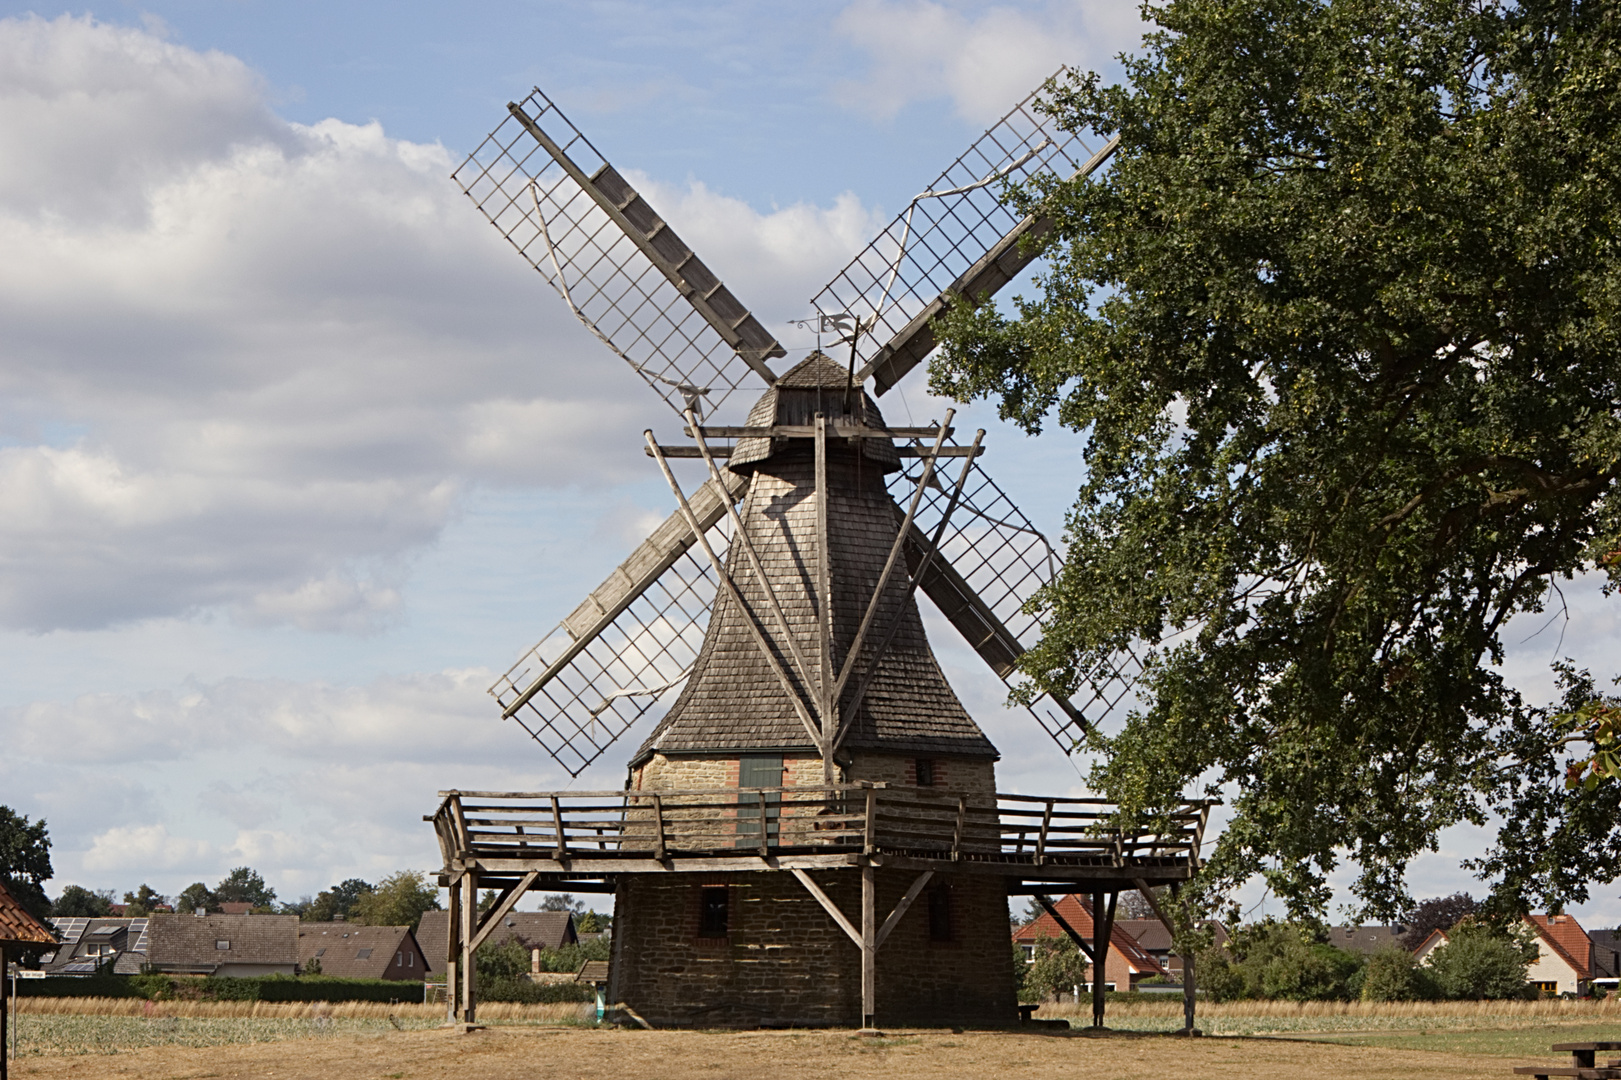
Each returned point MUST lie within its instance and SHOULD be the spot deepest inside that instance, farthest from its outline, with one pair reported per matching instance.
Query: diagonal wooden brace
(1074, 935)
(828, 905)
(508, 900)
(906, 902)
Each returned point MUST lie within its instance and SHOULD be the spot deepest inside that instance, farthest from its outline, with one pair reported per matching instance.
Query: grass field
(134, 1040)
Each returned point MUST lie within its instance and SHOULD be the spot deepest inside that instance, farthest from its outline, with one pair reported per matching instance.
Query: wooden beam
(504, 903)
(672, 539)
(468, 962)
(990, 272)
(742, 534)
(900, 908)
(1063, 924)
(869, 948)
(751, 341)
(828, 905)
(737, 598)
(824, 606)
(808, 431)
(686, 452)
(889, 568)
(453, 948)
(908, 528)
(1103, 937)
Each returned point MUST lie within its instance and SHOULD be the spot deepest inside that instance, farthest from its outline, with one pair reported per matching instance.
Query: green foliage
(592, 922)
(77, 900)
(1058, 968)
(1278, 961)
(502, 971)
(25, 860)
(1481, 961)
(1342, 324)
(113, 986)
(1391, 974)
(156, 987)
(398, 900)
(244, 885)
(194, 897)
(342, 899)
(143, 901)
(561, 902)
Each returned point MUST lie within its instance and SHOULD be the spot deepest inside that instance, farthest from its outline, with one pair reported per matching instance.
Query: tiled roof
(1077, 911)
(17, 925)
(1366, 939)
(1567, 938)
(536, 929)
(733, 701)
(349, 950)
(1152, 935)
(193, 940)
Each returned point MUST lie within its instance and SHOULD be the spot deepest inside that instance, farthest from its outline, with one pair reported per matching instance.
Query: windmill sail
(617, 265)
(627, 647)
(958, 237)
(992, 562)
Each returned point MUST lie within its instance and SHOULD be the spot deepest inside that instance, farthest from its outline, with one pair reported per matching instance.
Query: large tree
(25, 860)
(1340, 322)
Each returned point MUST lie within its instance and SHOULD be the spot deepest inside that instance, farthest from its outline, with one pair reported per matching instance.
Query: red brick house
(1127, 964)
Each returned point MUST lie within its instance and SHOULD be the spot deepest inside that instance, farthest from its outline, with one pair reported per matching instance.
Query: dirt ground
(499, 1053)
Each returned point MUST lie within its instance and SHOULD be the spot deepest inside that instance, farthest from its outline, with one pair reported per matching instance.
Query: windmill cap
(817, 384)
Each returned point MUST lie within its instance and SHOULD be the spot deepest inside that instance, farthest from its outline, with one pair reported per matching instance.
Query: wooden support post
(870, 840)
(1041, 841)
(557, 824)
(869, 948)
(1102, 930)
(453, 951)
(824, 605)
(956, 837)
(659, 852)
(901, 908)
(469, 912)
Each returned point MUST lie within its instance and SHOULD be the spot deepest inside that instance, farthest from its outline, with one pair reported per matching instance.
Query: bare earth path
(532, 1053)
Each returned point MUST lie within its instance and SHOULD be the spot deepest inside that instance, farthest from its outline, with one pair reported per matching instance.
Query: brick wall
(785, 962)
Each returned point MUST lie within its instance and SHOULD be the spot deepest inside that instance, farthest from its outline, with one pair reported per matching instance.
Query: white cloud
(142, 849)
(983, 58)
(252, 365)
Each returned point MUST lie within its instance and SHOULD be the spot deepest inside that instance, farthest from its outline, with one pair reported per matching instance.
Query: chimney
(339, 918)
(534, 961)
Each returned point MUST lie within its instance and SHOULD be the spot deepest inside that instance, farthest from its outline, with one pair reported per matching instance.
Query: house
(240, 945)
(236, 907)
(1155, 940)
(1367, 939)
(1564, 963)
(1566, 960)
(1127, 963)
(352, 951)
(90, 945)
(535, 929)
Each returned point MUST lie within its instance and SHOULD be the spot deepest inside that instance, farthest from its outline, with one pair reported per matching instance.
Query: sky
(296, 455)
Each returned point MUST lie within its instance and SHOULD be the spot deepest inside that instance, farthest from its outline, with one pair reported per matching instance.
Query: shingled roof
(17, 926)
(732, 701)
(209, 941)
(535, 929)
(352, 951)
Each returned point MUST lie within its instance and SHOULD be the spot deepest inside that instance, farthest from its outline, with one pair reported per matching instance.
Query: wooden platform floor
(528, 1053)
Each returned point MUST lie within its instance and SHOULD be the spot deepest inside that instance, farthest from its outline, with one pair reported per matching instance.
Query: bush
(1059, 967)
(223, 988)
(114, 986)
(1278, 961)
(503, 969)
(1482, 962)
(1391, 974)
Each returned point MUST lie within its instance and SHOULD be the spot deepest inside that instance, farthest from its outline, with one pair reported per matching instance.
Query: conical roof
(732, 701)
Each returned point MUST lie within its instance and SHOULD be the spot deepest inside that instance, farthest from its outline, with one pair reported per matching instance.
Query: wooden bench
(1583, 1063)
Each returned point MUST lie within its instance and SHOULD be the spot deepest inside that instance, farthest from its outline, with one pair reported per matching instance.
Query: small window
(1549, 986)
(940, 913)
(410, 960)
(712, 912)
(399, 960)
(222, 945)
(362, 954)
(925, 772)
(319, 953)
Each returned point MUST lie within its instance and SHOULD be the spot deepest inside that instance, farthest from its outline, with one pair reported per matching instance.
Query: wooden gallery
(812, 834)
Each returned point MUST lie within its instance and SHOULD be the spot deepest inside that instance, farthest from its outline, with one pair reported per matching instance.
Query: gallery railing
(556, 826)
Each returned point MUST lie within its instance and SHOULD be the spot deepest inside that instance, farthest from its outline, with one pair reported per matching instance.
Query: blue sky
(296, 454)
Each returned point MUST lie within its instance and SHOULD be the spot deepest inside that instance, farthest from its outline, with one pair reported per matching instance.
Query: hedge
(224, 988)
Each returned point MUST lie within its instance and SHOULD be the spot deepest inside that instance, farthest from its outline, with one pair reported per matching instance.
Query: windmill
(808, 729)
(650, 300)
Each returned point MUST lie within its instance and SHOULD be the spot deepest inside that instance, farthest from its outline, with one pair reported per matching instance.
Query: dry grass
(1340, 1017)
(563, 1012)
